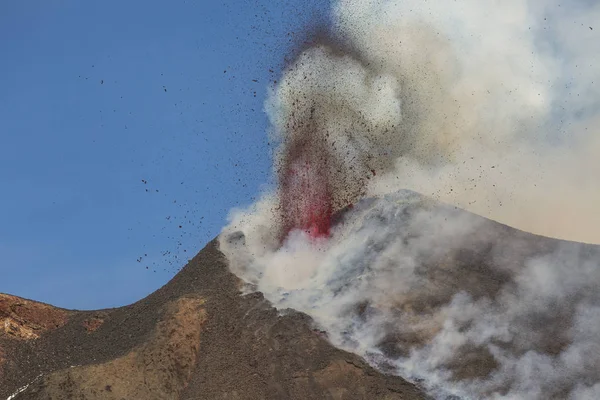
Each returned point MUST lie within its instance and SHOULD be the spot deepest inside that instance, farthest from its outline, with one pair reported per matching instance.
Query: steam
(489, 106)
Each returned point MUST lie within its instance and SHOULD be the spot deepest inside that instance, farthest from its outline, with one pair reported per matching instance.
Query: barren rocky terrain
(195, 338)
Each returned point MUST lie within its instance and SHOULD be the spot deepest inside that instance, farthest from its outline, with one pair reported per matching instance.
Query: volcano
(462, 306)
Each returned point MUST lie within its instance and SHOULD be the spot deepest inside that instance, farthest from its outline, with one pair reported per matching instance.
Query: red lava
(314, 184)
(306, 198)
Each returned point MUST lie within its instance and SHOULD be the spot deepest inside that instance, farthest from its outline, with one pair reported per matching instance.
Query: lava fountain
(305, 187)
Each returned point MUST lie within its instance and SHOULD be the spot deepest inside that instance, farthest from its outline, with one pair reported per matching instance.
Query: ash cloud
(488, 106)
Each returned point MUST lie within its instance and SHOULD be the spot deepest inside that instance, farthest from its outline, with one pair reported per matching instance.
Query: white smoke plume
(461, 304)
(492, 107)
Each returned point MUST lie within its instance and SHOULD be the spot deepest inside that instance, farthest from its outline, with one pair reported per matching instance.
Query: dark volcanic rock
(195, 338)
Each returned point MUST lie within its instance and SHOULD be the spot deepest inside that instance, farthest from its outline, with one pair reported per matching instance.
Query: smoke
(490, 106)
(456, 302)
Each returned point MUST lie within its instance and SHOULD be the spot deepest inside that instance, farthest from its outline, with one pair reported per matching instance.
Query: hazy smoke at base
(491, 106)
(466, 306)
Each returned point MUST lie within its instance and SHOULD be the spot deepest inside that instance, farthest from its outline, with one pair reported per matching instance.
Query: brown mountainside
(195, 338)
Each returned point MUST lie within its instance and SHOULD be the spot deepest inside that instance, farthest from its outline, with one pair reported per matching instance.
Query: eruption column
(306, 200)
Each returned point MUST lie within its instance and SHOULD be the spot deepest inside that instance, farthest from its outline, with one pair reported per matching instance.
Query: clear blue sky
(121, 121)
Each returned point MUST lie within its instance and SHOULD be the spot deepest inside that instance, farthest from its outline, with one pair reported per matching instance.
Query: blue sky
(127, 132)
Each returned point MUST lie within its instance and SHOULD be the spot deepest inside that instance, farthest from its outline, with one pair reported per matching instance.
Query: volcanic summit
(457, 304)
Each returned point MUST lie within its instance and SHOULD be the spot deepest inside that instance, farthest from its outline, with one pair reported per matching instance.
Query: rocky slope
(195, 338)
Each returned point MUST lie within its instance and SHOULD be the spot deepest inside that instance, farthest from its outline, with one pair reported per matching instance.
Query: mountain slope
(195, 338)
